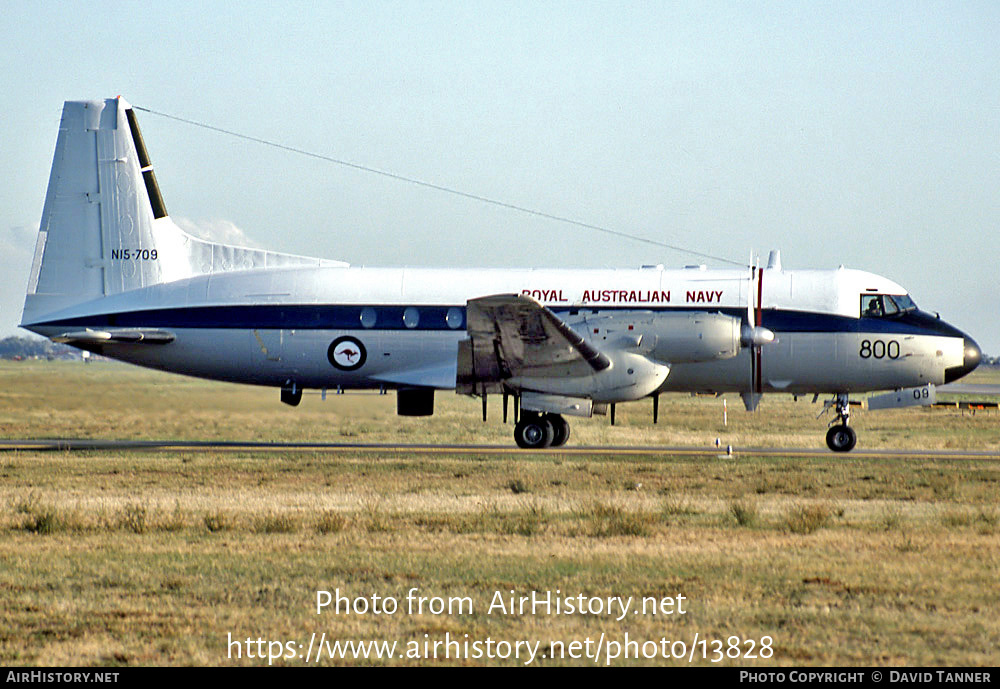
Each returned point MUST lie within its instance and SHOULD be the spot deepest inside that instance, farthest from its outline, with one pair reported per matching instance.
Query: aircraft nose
(973, 355)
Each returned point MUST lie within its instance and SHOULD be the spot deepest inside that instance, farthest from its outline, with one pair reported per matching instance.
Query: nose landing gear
(841, 437)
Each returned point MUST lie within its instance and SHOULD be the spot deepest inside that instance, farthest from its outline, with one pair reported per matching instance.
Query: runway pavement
(90, 445)
(969, 389)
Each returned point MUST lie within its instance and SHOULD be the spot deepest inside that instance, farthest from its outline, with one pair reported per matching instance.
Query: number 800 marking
(879, 349)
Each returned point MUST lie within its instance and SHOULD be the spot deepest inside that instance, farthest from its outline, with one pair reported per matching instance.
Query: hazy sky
(863, 134)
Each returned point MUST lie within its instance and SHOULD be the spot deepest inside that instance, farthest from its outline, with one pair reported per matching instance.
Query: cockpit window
(882, 305)
(871, 306)
(904, 302)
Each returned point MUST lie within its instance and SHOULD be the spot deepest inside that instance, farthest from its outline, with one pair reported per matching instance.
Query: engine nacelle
(698, 336)
(630, 377)
(675, 338)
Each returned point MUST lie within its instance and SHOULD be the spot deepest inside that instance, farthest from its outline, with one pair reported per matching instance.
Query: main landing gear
(841, 437)
(534, 431)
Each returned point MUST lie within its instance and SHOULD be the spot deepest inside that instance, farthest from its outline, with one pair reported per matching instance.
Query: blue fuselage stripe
(435, 317)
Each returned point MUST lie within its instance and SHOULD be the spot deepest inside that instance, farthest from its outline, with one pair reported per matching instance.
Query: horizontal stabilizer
(130, 336)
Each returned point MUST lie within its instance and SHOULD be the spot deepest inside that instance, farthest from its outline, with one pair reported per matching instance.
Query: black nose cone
(973, 355)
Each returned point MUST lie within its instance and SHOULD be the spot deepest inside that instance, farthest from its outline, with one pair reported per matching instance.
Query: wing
(511, 335)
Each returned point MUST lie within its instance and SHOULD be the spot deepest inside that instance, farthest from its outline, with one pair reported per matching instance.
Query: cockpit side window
(882, 305)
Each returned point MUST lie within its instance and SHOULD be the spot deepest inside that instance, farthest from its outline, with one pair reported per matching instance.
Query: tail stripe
(153, 191)
(140, 145)
(146, 165)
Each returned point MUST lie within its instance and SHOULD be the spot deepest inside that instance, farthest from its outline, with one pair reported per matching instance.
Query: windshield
(904, 302)
(882, 305)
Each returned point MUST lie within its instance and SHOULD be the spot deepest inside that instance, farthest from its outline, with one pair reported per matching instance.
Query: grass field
(111, 558)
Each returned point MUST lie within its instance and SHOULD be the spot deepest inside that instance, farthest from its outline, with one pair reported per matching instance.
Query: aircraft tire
(533, 432)
(560, 428)
(841, 438)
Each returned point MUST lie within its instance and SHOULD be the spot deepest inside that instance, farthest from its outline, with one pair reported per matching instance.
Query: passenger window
(368, 317)
(411, 317)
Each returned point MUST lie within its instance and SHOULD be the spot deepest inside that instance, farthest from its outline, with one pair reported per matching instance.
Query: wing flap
(512, 335)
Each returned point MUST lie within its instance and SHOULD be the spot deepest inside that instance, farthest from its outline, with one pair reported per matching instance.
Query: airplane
(114, 275)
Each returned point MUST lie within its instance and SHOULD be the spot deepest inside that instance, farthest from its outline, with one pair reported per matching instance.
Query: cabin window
(411, 317)
(454, 318)
(368, 317)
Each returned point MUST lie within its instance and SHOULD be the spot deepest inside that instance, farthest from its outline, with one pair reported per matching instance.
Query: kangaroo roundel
(347, 353)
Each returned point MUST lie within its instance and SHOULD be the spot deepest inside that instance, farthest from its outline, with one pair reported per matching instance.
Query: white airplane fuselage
(113, 274)
(271, 326)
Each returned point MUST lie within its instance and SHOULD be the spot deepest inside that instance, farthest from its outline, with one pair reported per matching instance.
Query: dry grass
(59, 399)
(153, 558)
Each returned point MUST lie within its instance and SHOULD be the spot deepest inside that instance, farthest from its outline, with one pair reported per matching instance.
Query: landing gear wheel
(533, 432)
(560, 427)
(841, 438)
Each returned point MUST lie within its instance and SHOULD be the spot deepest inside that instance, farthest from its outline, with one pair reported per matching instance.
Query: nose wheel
(841, 437)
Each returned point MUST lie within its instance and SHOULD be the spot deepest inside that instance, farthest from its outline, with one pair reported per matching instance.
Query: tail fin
(105, 227)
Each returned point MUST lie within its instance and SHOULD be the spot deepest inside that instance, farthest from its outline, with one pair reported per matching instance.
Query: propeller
(755, 335)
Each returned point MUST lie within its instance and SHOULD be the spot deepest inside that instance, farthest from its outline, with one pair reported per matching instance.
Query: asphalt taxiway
(92, 445)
